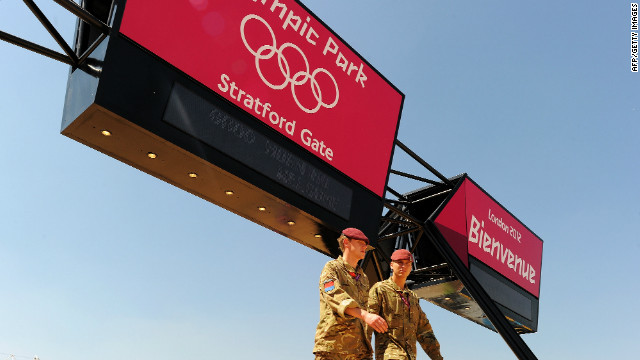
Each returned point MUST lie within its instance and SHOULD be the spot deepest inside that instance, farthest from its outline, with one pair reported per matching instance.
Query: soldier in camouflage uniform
(344, 288)
(399, 306)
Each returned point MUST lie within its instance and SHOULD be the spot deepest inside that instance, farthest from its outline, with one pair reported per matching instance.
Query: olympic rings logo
(267, 51)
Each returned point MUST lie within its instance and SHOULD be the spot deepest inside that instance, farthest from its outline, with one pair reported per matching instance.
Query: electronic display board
(216, 127)
(276, 61)
(197, 107)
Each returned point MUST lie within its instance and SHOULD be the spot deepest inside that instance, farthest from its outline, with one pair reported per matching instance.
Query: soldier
(344, 288)
(399, 306)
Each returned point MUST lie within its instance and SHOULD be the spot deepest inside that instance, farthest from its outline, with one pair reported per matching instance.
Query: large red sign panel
(474, 222)
(279, 63)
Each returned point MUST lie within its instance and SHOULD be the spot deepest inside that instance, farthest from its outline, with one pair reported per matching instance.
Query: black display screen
(502, 291)
(238, 138)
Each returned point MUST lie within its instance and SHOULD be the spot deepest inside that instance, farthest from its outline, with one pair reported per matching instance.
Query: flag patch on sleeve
(328, 285)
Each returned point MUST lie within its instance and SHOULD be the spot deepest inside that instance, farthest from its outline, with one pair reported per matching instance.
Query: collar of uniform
(348, 266)
(395, 286)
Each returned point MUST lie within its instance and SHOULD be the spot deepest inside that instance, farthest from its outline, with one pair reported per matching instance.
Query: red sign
(473, 221)
(279, 63)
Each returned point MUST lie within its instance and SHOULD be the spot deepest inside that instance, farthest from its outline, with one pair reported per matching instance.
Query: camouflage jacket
(341, 287)
(407, 324)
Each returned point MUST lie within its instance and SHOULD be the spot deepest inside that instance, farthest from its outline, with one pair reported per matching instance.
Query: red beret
(353, 233)
(401, 254)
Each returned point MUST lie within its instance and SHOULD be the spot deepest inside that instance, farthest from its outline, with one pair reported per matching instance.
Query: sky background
(534, 100)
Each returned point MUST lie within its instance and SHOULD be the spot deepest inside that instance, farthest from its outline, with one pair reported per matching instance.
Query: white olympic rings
(266, 52)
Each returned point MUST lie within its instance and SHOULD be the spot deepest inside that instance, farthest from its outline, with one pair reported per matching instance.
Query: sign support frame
(428, 229)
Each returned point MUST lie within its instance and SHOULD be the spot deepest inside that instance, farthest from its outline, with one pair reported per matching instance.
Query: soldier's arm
(333, 293)
(341, 303)
(427, 338)
(373, 307)
(375, 321)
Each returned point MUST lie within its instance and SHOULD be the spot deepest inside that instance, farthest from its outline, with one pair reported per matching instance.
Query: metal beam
(400, 233)
(93, 46)
(423, 163)
(83, 14)
(417, 241)
(396, 194)
(403, 214)
(384, 256)
(71, 58)
(398, 201)
(414, 177)
(35, 48)
(395, 221)
(52, 31)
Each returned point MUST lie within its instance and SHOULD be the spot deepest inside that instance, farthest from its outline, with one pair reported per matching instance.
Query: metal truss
(69, 57)
(399, 226)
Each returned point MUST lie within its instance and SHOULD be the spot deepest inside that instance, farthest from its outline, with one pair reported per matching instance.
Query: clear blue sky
(535, 100)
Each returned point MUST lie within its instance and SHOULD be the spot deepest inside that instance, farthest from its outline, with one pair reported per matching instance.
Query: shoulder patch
(329, 285)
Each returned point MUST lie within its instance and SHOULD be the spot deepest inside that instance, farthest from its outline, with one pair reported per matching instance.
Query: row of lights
(193, 175)
(152, 155)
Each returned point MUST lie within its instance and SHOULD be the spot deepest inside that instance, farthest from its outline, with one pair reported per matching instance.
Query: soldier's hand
(376, 322)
